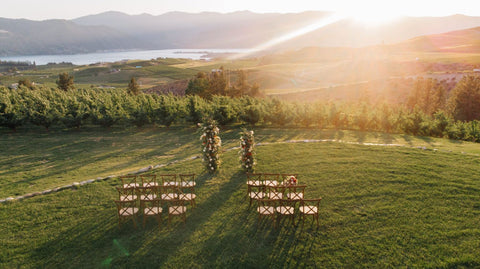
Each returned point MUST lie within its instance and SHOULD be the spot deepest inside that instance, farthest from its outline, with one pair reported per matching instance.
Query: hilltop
(461, 41)
(26, 37)
(244, 29)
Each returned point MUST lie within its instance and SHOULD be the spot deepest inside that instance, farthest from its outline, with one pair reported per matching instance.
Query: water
(90, 58)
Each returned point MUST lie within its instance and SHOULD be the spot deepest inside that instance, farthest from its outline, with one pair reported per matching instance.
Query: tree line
(428, 112)
(218, 83)
(12, 66)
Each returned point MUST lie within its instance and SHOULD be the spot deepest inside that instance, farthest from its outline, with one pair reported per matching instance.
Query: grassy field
(382, 206)
(34, 160)
(289, 75)
(151, 73)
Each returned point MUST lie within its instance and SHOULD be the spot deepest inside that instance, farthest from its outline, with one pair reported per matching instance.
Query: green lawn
(382, 206)
(33, 160)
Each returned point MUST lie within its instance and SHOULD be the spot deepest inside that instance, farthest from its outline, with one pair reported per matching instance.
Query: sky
(70, 9)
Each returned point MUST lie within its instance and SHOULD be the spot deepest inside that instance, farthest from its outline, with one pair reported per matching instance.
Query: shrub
(305, 114)
(108, 109)
(140, 110)
(225, 109)
(168, 110)
(279, 113)
(41, 107)
(440, 124)
(473, 133)
(413, 122)
(196, 109)
(75, 111)
(12, 112)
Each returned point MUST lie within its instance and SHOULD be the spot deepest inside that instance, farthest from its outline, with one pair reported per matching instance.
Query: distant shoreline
(115, 56)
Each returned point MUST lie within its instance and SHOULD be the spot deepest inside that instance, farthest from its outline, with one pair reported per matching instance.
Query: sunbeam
(305, 30)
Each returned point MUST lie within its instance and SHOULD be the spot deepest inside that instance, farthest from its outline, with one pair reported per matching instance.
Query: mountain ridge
(55, 36)
(115, 30)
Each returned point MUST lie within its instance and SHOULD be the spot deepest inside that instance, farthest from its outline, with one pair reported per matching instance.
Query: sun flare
(291, 35)
(372, 13)
(367, 16)
(373, 18)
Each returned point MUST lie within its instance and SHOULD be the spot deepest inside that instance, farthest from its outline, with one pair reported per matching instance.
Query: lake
(90, 58)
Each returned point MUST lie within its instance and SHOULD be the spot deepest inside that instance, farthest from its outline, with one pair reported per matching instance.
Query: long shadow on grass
(230, 235)
(167, 248)
(408, 139)
(337, 134)
(222, 231)
(81, 160)
(386, 138)
(247, 242)
(97, 242)
(85, 243)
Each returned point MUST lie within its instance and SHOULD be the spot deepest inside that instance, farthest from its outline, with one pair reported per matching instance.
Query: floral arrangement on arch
(290, 181)
(211, 145)
(247, 153)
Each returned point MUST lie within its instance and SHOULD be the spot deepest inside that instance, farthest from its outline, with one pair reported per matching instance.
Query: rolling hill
(247, 29)
(461, 41)
(351, 33)
(26, 37)
(244, 29)
(384, 71)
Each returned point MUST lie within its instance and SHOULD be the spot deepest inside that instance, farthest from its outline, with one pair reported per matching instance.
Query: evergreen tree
(255, 90)
(464, 102)
(427, 89)
(361, 118)
(65, 82)
(304, 114)
(196, 109)
(218, 82)
(387, 121)
(133, 88)
(199, 86)
(241, 87)
(428, 95)
(252, 114)
(439, 99)
(279, 112)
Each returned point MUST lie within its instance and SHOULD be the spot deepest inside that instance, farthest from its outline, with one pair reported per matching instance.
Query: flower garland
(247, 153)
(290, 181)
(211, 144)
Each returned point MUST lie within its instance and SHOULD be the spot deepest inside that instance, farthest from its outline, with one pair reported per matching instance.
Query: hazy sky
(69, 9)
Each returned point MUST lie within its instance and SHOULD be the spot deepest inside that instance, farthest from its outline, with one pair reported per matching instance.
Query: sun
(367, 15)
(374, 18)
